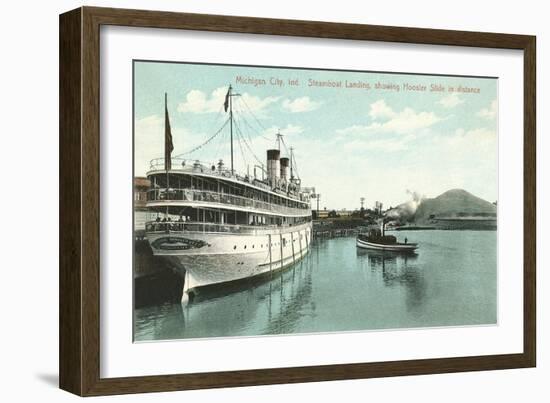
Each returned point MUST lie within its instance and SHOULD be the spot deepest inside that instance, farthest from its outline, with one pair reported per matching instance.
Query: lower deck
(206, 258)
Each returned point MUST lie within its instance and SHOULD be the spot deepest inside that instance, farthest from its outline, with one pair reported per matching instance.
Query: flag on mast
(226, 103)
(168, 145)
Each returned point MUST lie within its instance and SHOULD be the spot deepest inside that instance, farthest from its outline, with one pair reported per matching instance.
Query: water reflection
(398, 269)
(337, 287)
(294, 301)
(270, 305)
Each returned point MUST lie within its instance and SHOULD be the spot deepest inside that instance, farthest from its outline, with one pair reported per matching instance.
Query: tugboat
(376, 239)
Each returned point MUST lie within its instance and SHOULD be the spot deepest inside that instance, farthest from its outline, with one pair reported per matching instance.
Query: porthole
(235, 247)
(245, 246)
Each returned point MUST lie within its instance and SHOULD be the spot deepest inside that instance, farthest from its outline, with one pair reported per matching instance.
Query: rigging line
(239, 135)
(247, 145)
(284, 145)
(205, 143)
(242, 117)
(214, 123)
(218, 115)
(259, 134)
(265, 137)
(219, 145)
(239, 131)
(253, 115)
(295, 166)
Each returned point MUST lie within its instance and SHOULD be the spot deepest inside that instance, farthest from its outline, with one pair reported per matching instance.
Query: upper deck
(216, 179)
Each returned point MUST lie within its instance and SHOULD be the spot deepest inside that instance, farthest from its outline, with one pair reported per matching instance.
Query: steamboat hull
(214, 259)
(398, 247)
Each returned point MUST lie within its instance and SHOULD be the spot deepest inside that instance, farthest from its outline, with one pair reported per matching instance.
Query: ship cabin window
(178, 183)
(228, 218)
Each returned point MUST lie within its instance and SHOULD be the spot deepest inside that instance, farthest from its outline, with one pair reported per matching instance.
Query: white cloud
(399, 129)
(451, 100)
(403, 122)
(480, 137)
(406, 121)
(490, 112)
(380, 110)
(257, 104)
(302, 104)
(149, 141)
(197, 101)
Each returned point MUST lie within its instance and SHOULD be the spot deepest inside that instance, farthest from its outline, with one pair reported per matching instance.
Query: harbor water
(450, 281)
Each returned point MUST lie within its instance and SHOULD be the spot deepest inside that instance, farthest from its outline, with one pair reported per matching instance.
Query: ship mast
(291, 164)
(279, 136)
(231, 125)
(229, 100)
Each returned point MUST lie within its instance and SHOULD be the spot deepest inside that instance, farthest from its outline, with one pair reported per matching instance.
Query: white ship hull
(207, 258)
(411, 247)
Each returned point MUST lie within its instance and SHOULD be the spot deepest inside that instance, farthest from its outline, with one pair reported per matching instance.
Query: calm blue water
(450, 281)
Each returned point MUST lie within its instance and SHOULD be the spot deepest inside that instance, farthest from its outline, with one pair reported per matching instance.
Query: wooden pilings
(334, 233)
(292, 243)
(270, 258)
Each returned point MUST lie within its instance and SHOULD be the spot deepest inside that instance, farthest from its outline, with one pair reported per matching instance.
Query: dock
(334, 233)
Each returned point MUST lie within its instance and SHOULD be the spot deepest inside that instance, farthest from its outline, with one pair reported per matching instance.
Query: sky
(375, 135)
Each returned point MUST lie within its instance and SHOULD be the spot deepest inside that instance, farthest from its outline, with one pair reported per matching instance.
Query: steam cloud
(406, 210)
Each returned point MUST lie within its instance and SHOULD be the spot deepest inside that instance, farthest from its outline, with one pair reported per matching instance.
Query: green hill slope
(454, 203)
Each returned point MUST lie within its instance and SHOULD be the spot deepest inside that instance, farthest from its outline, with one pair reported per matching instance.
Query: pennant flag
(168, 145)
(226, 103)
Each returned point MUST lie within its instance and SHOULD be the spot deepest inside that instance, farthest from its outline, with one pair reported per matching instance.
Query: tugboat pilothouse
(215, 225)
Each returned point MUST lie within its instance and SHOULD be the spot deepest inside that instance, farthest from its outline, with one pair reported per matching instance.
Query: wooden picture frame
(79, 279)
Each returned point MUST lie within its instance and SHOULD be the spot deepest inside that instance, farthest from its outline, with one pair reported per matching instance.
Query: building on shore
(344, 213)
(141, 186)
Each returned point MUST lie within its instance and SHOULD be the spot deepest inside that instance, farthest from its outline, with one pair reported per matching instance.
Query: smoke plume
(406, 211)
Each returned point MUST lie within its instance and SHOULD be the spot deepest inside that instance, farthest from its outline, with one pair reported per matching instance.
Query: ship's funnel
(285, 162)
(273, 169)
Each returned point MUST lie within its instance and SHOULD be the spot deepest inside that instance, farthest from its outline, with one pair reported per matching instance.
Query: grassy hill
(454, 203)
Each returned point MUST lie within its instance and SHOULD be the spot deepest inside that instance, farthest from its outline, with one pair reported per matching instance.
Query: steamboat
(215, 226)
(376, 239)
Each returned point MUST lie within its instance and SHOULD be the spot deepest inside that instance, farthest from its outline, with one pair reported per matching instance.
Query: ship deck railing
(204, 227)
(183, 164)
(193, 195)
(211, 169)
(205, 168)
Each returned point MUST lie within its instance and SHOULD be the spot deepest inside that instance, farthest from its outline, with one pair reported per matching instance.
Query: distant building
(344, 213)
(378, 206)
(334, 213)
(322, 214)
(141, 186)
